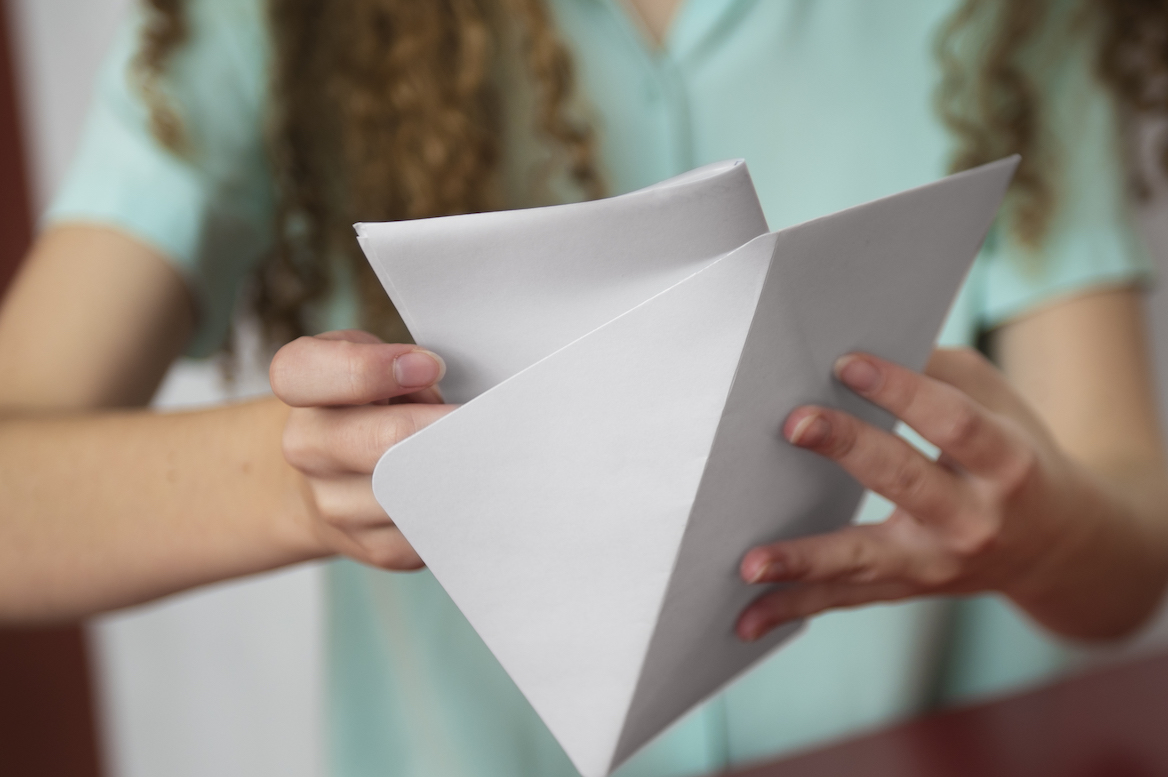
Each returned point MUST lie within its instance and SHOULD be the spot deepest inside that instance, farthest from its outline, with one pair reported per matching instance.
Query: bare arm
(1083, 366)
(93, 320)
(104, 510)
(103, 507)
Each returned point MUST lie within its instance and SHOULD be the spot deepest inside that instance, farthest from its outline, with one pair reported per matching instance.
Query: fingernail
(765, 569)
(418, 369)
(858, 374)
(811, 430)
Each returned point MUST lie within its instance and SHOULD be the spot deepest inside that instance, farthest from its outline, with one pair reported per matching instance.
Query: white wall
(225, 681)
(58, 45)
(220, 682)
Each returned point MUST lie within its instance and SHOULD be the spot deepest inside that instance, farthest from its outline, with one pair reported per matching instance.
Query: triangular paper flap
(496, 292)
(877, 278)
(551, 507)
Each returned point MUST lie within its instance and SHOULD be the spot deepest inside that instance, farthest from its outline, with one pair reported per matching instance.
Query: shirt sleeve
(209, 209)
(1092, 240)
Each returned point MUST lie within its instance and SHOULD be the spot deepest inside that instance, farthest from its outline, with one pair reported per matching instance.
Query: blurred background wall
(45, 692)
(225, 681)
(221, 682)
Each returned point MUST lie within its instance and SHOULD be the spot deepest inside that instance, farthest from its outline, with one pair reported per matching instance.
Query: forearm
(1082, 365)
(106, 510)
(1104, 577)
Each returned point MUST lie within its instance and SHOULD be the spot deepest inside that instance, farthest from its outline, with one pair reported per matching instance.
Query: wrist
(1104, 565)
(294, 521)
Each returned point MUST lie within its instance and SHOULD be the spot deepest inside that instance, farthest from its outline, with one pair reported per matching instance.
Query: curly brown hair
(388, 109)
(165, 29)
(382, 110)
(1133, 59)
(990, 99)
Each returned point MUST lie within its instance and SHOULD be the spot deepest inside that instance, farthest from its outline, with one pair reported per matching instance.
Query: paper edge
(717, 260)
(690, 517)
(1010, 162)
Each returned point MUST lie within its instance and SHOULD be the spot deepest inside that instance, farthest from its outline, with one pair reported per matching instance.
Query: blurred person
(233, 143)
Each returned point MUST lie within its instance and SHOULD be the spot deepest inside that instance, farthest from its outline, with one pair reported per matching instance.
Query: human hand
(353, 397)
(1002, 509)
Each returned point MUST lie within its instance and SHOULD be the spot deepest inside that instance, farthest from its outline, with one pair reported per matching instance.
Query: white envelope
(627, 365)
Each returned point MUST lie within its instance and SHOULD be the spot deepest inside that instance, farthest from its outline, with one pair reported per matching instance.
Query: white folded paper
(627, 365)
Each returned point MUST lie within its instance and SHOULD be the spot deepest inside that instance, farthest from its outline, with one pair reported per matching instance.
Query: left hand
(352, 397)
(1002, 509)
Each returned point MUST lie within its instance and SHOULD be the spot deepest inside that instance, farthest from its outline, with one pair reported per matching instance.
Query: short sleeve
(1092, 239)
(209, 209)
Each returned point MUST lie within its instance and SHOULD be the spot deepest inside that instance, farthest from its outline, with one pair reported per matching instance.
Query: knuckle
(798, 563)
(1017, 470)
(791, 560)
(843, 438)
(297, 444)
(282, 372)
(939, 573)
(392, 427)
(960, 428)
(860, 563)
(907, 482)
(328, 510)
(976, 538)
(360, 377)
(898, 391)
(354, 335)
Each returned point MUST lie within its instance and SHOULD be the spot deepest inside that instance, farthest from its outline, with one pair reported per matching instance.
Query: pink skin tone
(1069, 517)
(338, 429)
(1002, 509)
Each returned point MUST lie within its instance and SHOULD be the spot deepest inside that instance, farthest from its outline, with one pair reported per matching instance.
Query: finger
(788, 604)
(882, 462)
(969, 371)
(380, 546)
(386, 548)
(327, 441)
(949, 418)
(351, 335)
(347, 502)
(427, 396)
(855, 554)
(315, 371)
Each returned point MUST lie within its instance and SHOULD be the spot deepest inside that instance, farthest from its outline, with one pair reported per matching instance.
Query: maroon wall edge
(46, 719)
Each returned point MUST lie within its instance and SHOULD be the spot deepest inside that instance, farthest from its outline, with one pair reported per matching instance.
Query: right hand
(353, 397)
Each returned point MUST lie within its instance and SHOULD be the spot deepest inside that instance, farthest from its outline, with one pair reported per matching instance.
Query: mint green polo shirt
(830, 104)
